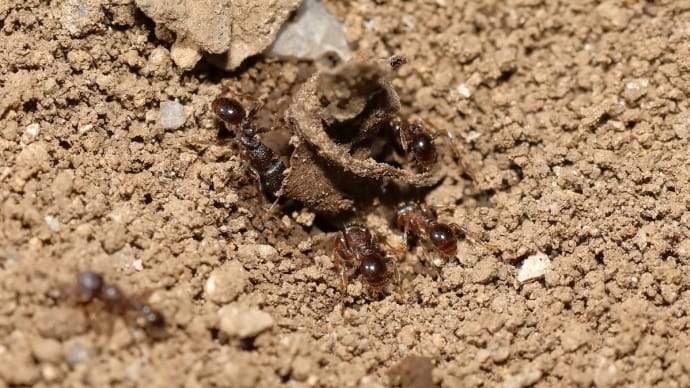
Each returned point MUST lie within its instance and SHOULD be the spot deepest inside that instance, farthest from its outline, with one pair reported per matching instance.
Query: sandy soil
(575, 120)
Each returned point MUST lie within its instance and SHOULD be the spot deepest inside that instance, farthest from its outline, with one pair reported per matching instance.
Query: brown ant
(358, 250)
(263, 164)
(90, 286)
(421, 221)
(413, 138)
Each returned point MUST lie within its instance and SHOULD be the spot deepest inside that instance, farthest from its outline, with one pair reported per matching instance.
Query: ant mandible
(358, 250)
(265, 167)
(421, 221)
(90, 286)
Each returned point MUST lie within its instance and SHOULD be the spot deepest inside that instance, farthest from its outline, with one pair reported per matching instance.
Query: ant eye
(228, 110)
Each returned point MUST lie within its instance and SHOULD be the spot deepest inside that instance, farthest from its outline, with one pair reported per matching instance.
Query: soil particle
(46, 349)
(413, 372)
(243, 322)
(226, 283)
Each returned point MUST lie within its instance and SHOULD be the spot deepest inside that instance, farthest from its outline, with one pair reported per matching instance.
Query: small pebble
(524, 379)
(226, 283)
(171, 115)
(485, 271)
(46, 349)
(301, 367)
(33, 129)
(77, 354)
(311, 33)
(185, 54)
(252, 251)
(53, 223)
(243, 322)
(533, 268)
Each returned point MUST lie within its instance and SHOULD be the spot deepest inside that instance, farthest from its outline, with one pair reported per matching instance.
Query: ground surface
(576, 120)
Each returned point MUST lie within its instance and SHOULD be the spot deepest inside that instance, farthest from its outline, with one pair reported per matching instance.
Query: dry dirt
(575, 120)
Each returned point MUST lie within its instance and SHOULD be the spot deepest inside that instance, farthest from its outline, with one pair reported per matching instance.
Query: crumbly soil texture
(572, 116)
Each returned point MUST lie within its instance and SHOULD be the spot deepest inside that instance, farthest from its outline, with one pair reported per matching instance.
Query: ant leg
(257, 180)
(462, 233)
(255, 109)
(339, 268)
(273, 205)
(398, 249)
(455, 147)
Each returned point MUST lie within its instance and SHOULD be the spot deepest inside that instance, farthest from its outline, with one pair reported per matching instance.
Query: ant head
(229, 110)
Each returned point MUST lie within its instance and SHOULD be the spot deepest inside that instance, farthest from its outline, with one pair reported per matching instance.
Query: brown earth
(575, 120)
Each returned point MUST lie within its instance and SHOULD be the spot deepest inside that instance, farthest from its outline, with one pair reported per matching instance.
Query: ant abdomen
(374, 270)
(444, 238)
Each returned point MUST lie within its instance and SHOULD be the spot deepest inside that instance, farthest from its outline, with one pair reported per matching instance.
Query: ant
(264, 166)
(413, 138)
(90, 286)
(421, 222)
(358, 250)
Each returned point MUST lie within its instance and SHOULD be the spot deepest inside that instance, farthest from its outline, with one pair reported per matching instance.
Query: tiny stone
(524, 379)
(138, 265)
(252, 251)
(53, 223)
(33, 129)
(171, 115)
(226, 283)
(243, 322)
(311, 33)
(464, 91)
(301, 367)
(485, 271)
(533, 268)
(76, 355)
(185, 54)
(46, 349)
(50, 372)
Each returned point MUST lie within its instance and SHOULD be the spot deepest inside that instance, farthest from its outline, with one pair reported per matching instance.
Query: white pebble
(76, 355)
(171, 115)
(53, 223)
(33, 129)
(312, 33)
(464, 91)
(138, 265)
(533, 268)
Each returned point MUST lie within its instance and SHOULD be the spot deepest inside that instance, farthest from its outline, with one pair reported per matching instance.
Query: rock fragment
(243, 322)
(534, 267)
(171, 115)
(226, 283)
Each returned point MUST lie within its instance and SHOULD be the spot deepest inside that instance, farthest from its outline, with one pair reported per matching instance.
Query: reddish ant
(357, 250)
(413, 138)
(263, 164)
(421, 221)
(90, 286)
